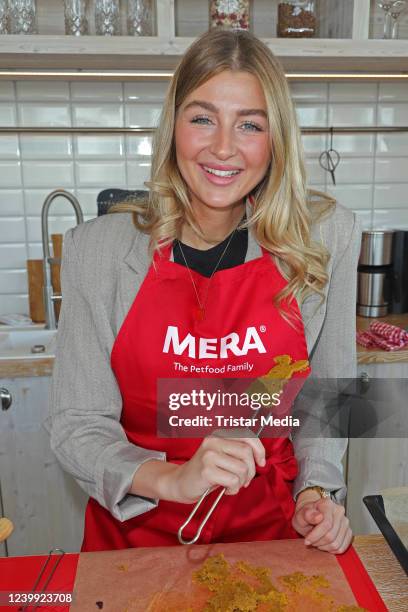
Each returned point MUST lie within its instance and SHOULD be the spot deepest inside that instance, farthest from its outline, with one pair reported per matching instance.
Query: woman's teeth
(221, 172)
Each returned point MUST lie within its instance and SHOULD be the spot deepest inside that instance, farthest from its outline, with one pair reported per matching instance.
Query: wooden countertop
(374, 355)
(384, 570)
(18, 368)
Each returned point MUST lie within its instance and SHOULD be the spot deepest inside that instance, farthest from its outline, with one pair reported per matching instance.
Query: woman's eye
(199, 119)
(253, 125)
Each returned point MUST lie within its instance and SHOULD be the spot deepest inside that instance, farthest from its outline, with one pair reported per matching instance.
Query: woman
(226, 242)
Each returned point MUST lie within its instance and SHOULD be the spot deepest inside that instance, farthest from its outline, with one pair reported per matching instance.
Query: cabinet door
(375, 464)
(44, 503)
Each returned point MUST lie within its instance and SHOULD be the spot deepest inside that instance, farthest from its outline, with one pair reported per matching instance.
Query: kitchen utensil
(275, 381)
(375, 505)
(56, 269)
(330, 159)
(35, 276)
(210, 511)
(75, 17)
(61, 553)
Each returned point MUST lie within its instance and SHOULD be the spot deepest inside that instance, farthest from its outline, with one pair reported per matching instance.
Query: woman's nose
(223, 145)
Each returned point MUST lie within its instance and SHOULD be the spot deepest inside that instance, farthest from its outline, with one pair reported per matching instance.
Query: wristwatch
(322, 492)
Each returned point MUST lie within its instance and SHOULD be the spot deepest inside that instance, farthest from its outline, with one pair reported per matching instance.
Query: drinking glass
(140, 17)
(4, 17)
(23, 17)
(76, 22)
(107, 17)
(397, 9)
(392, 10)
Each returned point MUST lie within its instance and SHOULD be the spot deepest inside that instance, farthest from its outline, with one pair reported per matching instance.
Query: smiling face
(222, 127)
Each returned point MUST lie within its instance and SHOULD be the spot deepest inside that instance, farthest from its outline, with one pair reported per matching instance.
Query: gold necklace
(200, 313)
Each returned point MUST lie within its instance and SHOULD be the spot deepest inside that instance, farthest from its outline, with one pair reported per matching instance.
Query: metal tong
(210, 511)
(281, 372)
(40, 575)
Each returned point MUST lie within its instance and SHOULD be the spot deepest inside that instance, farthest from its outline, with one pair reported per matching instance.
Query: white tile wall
(101, 115)
(39, 114)
(371, 179)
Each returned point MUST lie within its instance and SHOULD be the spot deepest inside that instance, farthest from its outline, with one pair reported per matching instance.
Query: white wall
(372, 177)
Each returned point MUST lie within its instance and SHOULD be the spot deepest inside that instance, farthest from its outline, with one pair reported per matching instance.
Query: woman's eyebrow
(212, 108)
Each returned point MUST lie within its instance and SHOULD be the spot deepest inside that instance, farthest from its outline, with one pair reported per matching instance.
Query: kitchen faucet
(48, 292)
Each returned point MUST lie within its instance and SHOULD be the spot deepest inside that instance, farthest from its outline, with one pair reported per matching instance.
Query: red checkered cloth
(383, 335)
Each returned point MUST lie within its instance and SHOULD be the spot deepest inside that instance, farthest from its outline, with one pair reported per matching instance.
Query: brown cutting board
(56, 270)
(35, 277)
(159, 579)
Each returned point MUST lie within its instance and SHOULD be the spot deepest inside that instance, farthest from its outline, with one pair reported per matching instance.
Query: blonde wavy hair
(283, 209)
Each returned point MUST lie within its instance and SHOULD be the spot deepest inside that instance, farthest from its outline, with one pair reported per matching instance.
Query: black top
(205, 261)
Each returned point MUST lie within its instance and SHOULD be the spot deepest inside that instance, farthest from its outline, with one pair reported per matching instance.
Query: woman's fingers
(216, 476)
(258, 450)
(306, 517)
(333, 533)
(326, 507)
(342, 540)
(228, 463)
(221, 439)
(243, 452)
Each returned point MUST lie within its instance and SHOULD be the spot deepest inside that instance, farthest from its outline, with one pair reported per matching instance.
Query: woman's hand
(322, 522)
(225, 462)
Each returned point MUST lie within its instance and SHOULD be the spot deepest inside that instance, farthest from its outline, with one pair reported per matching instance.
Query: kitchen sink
(23, 343)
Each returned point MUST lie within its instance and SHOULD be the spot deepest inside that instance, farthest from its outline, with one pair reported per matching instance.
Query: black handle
(6, 398)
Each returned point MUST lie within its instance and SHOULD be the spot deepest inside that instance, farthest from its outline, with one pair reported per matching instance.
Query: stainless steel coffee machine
(383, 273)
(399, 298)
(374, 289)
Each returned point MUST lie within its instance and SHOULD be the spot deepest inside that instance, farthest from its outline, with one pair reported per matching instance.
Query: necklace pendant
(199, 314)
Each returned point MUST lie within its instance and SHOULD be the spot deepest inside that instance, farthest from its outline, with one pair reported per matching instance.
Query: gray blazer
(104, 263)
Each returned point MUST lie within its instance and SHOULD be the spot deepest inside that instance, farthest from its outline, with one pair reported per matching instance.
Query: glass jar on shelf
(140, 17)
(297, 19)
(107, 17)
(23, 17)
(230, 14)
(75, 18)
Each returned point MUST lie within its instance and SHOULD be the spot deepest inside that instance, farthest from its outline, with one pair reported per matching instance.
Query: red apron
(238, 298)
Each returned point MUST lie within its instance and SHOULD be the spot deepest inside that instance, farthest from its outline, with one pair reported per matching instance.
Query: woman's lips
(219, 180)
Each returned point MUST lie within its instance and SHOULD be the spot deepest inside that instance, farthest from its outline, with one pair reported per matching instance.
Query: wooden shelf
(47, 52)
